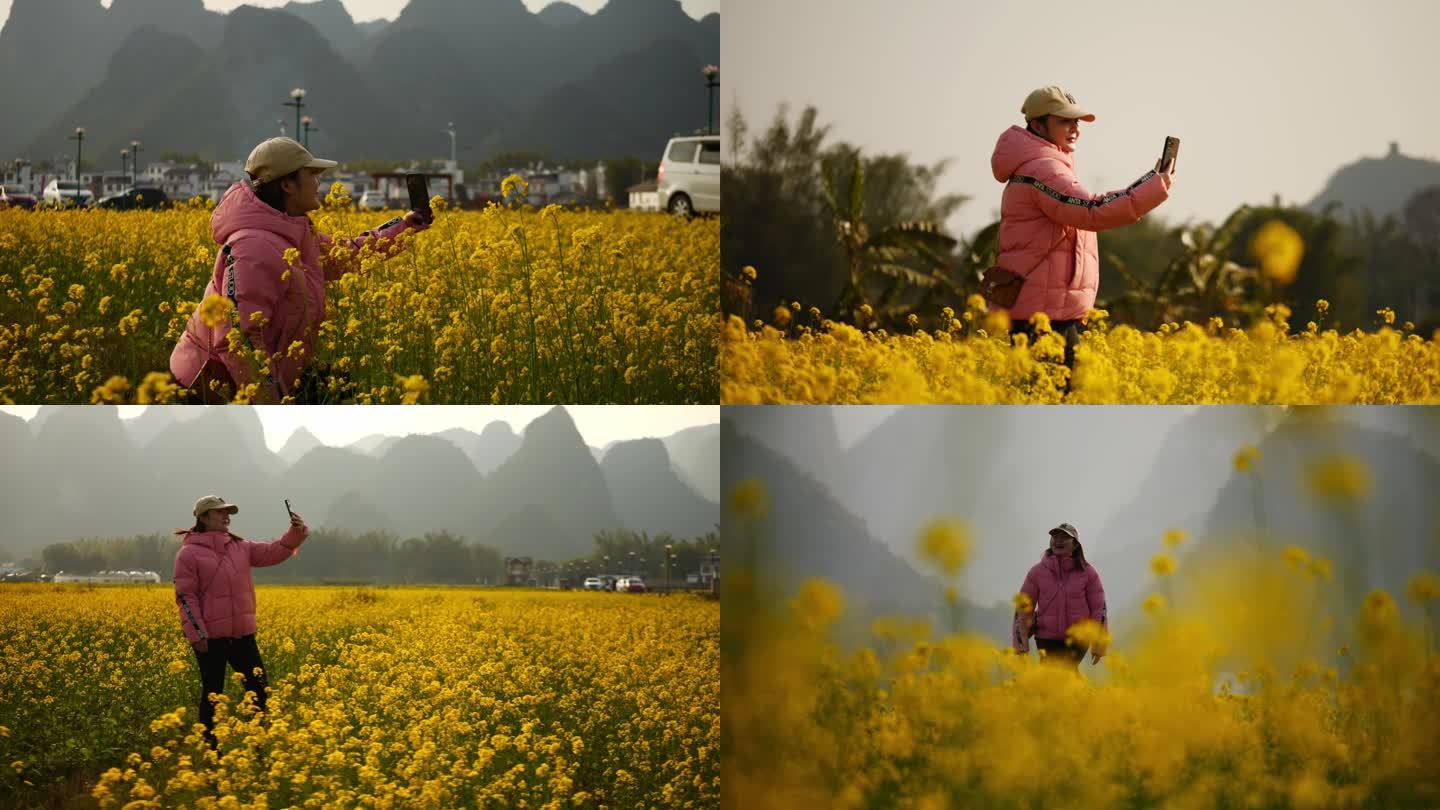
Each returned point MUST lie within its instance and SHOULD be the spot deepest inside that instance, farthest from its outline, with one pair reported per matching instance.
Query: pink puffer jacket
(213, 588)
(1048, 222)
(1061, 598)
(250, 269)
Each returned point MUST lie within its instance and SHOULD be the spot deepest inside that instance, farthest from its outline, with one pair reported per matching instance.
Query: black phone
(419, 187)
(1170, 153)
(287, 508)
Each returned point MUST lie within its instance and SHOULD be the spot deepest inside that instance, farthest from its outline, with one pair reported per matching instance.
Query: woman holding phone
(216, 598)
(1048, 221)
(272, 266)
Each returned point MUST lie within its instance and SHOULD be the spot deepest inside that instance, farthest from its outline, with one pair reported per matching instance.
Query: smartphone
(1170, 153)
(287, 508)
(419, 187)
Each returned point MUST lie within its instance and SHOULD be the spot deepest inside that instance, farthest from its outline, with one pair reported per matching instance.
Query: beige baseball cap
(1066, 528)
(209, 502)
(1053, 100)
(278, 157)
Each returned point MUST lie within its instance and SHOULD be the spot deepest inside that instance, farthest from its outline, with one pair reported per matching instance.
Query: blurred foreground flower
(947, 544)
(1278, 248)
(1339, 479)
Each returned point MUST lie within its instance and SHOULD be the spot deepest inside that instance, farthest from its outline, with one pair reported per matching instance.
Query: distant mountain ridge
(73, 473)
(1381, 185)
(198, 81)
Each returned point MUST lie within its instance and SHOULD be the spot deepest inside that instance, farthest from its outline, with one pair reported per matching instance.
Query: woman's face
(1063, 132)
(304, 195)
(1061, 544)
(216, 520)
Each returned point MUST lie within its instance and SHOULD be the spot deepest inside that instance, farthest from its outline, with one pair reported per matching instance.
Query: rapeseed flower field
(1237, 682)
(500, 306)
(403, 697)
(971, 358)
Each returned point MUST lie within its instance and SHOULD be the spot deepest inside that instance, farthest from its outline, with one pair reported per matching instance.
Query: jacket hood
(240, 209)
(1016, 147)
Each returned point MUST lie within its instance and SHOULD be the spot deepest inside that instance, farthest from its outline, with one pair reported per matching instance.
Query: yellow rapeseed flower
(946, 544)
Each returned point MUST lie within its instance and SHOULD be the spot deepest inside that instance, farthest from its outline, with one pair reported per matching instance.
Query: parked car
(630, 585)
(136, 197)
(689, 177)
(594, 584)
(13, 197)
(67, 192)
(372, 200)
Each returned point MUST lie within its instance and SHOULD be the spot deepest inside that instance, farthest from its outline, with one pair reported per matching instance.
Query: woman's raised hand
(419, 220)
(296, 522)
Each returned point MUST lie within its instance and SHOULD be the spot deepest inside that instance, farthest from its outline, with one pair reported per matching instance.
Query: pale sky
(1266, 97)
(339, 425)
(366, 10)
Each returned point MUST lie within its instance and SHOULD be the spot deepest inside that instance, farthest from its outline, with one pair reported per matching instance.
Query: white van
(689, 178)
(67, 192)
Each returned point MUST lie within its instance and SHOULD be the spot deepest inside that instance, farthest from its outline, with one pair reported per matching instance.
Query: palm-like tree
(910, 254)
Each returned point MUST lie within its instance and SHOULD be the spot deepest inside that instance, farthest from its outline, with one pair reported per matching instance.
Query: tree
(620, 175)
(778, 219)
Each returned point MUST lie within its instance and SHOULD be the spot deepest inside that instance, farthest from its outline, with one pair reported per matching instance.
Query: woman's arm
(187, 597)
(278, 551)
(1061, 197)
(1019, 629)
(255, 279)
(341, 256)
(1095, 598)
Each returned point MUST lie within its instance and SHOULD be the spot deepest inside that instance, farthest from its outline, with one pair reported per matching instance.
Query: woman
(1064, 590)
(277, 305)
(217, 598)
(1048, 220)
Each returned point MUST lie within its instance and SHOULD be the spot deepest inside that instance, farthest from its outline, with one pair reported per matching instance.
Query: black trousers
(1070, 330)
(1059, 652)
(244, 656)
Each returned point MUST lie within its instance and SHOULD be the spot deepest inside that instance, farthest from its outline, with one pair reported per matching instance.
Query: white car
(67, 192)
(689, 177)
(372, 200)
(594, 584)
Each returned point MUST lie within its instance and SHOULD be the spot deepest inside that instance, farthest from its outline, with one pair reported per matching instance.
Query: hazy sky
(342, 424)
(1266, 97)
(365, 10)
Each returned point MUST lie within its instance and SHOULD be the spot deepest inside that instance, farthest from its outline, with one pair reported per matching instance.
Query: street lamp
(125, 164)
(135, 150)
(712, 83)
(451, 130)
(309, 127)
(667, 566)
(297, 100)
(79, 139)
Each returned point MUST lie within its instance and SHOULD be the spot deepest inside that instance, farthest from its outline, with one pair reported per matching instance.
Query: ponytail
(198, 527)
(1078, 556)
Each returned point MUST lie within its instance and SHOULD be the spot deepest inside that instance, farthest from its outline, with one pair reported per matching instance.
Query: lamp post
(297, 100)
(125, 164)
(667, 567)
(79, 139)
(135, 150)
(309, 127)
(712, 82)
(451, 130)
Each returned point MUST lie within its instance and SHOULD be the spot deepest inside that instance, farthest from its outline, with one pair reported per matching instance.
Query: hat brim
(228, 508)
(1074, 111)
(1058, 530)
(317, 163)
